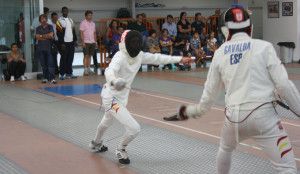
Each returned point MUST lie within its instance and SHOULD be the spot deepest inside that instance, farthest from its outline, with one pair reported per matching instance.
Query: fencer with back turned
(251, 71)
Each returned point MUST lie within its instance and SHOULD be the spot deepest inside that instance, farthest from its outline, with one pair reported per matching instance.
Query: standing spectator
(199, 26)
(148, 24)
(116, 40)
(110, 31)
(212, 45)
(55, 45)
(183, 26)
(89, 41)
(152, 46)
(166, 45)
(34, 25)
(16, 63)
(67, 40)
(195, 48)
(171, 27)
(44, 35)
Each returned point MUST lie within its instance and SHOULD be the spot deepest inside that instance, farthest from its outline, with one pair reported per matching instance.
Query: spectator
(195, 44)
(183, 26)
(34, 25)
(166, 45)
(67, 40)
(55, 45)
(212, 45)
(16, 63)
(44, 35)
(171, 27)
(148, 24)
(89, 41)
(199, 26)
(182, 45)
(110, 31)
(116, 40)
(138, 25)
(152, 46)
(214, 25)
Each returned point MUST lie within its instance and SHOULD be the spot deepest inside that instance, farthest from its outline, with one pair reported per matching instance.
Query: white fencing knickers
(116, 110)
(265, 128)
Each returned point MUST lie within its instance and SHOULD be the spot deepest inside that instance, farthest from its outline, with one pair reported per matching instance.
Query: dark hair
(120, 26)
(13, 45)
(181, 14)
(151, 31)
(88, 12)
(64, 8)
(197, 14)
(184, 36)
(46, 10)
(194, 32)
(138, 15)
(53, 14)
(42, 16)
(110, 25)
(170, 16)
(163, 30)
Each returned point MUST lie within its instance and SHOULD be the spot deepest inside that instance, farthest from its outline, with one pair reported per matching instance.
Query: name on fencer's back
(236, 50)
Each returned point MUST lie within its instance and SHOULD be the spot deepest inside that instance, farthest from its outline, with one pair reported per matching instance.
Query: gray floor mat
(155, 150)
(8, 167)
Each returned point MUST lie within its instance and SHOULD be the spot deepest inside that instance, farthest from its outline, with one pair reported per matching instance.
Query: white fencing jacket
(250, 71)
(123, 66)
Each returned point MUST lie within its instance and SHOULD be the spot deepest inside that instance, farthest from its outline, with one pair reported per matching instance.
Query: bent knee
(134, 130)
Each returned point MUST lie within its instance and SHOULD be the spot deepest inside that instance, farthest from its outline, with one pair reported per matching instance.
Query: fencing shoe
(99, 147)
(122, 156)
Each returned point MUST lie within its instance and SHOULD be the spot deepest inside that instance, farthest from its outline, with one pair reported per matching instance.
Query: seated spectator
(138, 25)
(212, 45)
(110, 31)
(213, 23)
(182, 45)
(16, 63)
(152, 46)
(166, 45)
(195, 48)
(183, 26)
(171, 27)
(116, 40)
(148, 24)
(199, 26)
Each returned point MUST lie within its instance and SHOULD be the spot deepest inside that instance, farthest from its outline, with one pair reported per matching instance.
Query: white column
(41, 6)
(27, 45)
(133, 8)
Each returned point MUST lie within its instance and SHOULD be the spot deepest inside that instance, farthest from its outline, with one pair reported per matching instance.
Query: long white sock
(100, 131)
(126, 140)
(223, 162)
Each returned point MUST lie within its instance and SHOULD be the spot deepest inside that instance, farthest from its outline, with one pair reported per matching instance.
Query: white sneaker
(45, 81)
(122, 156)
(91, 72)
(53, 81)
(23, 78)
(85, 73)
(12, 78)
(98, 147)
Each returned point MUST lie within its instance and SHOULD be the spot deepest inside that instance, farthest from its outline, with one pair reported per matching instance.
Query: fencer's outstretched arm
(211, 91)
(157, 59)
(278, 74)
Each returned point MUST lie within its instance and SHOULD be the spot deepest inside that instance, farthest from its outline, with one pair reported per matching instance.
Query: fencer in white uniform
(250, 71)
(119, 77)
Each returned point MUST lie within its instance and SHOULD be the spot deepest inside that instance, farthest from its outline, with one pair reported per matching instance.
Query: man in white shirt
(67, 42)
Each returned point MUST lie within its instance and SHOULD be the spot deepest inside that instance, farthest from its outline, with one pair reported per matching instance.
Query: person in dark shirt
(45, 35)
(183, 26)
(199, 26)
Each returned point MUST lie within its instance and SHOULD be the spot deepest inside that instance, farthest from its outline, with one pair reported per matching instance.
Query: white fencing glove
(118, 83)
(184, 112)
